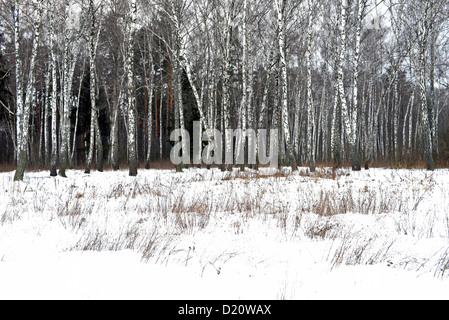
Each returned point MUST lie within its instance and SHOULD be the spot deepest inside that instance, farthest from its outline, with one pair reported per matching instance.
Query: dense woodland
(101, 84)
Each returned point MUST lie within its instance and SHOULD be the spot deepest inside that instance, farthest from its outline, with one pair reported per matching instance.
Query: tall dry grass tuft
(322, 228)
(442, 268)
(356, 249)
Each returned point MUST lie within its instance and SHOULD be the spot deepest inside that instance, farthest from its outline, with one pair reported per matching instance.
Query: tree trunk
(347, 117)
(24, 108)
(354, 114)
(425, 121)
(95, 136)
(47, 118)
(336, 125)
(311, 129)
(280, 6)
(76, 117)
(132, 113)
(434, 113)
(226, 85)
(68, 71)
(149, 91)
(54, 97)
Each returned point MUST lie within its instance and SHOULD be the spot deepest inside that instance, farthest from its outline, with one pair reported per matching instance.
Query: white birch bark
(47, 116)
(69, 63)
(324, 121)
(132, 114)
(95, 137)
(297, 123)
(262, 121)
(244, 101)
(408, 117)
(395, 114)
(311, 129)
(251, 113)
(54, 97)
(23, 107)
(178, 63)
(180, 107)
(354, 114)
(336, 135)
(372, 134)
(433, 105)
(161, 99)
(19, 76)
(423, 34)
(72, 155)
(425, 121)
(41, 128)
(115, 132)
(281, 23)
(348, 124)
(181, 60)
(149, 89)
(226, 83)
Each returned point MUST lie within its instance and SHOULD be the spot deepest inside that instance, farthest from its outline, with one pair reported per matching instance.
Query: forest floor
(207, 234)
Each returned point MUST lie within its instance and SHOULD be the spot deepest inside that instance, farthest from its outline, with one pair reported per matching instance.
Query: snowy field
(204, 234)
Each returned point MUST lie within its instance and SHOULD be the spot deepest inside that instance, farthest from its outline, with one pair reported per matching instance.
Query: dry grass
(152, 215)
(286, 174)
(357, 249)
(322, 229)
(254, 175)
(442, 267)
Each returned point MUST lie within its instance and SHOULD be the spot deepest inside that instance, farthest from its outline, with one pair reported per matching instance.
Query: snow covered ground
(204, 234)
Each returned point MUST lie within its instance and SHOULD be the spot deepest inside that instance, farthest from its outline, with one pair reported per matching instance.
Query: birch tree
(95, 142)
(23, 106)
(179, 61)
(425, 15)
(149, 87)
(129, 69)
(69, 62)
(54, 94)
(280, 6)
(244, 99)
(225, 17)
(348, 118)
(311, 128)
(20, 108)
(355, 112)
(72, 154)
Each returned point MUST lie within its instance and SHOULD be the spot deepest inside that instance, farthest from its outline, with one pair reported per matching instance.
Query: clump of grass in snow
(442, 268)
(322, 228)
(355, 249)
